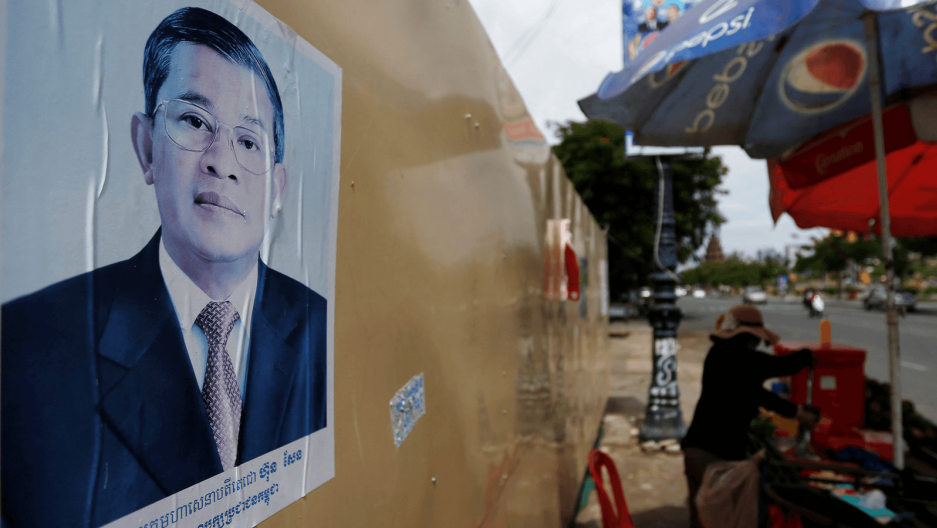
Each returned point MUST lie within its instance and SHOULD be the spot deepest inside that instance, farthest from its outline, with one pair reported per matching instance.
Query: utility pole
(663, 418)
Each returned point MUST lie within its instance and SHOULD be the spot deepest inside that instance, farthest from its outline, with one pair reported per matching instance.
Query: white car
(754, 295)
(699, 294)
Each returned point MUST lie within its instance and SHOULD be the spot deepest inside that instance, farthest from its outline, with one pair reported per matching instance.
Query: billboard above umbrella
(643, 20)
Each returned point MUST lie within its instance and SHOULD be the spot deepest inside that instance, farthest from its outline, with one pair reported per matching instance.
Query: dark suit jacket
(644, 27)
(101, 412)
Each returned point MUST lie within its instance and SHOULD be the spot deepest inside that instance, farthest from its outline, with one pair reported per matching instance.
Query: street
(851, 326)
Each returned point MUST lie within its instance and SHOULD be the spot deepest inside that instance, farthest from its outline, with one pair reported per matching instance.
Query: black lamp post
(663, 418)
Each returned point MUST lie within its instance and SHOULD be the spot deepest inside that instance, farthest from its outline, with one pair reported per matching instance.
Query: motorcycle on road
(816, 306)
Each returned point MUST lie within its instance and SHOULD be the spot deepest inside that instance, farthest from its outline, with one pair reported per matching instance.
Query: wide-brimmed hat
(744, 318)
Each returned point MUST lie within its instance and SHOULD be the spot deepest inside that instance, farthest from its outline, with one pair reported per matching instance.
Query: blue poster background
(642, 20)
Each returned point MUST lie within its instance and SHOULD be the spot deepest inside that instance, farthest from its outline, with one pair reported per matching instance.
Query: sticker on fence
(406, 407)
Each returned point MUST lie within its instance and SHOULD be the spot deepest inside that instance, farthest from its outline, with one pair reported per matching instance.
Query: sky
(558, 51)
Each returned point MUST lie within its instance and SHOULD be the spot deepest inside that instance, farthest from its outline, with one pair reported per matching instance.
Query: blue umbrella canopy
(767, 75)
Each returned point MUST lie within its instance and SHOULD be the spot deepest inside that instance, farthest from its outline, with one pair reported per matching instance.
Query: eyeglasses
(195, 129)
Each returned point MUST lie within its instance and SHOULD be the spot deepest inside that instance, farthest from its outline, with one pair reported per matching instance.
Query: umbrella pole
(891, 317)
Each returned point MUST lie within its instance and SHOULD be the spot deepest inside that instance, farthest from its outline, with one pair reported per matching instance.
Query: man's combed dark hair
(198, 26)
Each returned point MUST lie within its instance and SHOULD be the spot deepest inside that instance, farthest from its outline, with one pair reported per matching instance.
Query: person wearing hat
(733, 374)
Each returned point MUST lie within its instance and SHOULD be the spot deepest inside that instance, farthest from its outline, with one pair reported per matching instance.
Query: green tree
(901, 258)
(828, 256)
(834, 253)
(620, 194)
(735, 272)
(772, 268)
(926, 246)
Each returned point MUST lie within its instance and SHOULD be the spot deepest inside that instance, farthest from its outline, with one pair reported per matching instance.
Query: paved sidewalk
(653, 482)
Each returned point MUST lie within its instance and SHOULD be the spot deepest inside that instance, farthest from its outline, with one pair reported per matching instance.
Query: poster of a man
(139, 379)
(643, 19)
(651, 23)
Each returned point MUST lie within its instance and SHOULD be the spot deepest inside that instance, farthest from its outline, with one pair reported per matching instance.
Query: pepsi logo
(823, 76)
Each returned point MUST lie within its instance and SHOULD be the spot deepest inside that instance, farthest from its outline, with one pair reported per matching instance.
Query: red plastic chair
(610, 519)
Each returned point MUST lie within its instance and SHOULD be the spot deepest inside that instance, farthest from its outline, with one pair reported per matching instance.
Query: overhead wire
(523, 42)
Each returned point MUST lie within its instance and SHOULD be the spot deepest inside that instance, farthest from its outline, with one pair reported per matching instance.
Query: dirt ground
(653, 481)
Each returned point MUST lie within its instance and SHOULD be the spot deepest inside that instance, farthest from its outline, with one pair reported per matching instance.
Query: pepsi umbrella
(768, 76)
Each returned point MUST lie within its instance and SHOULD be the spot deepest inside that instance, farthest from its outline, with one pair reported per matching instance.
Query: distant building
(714, 250)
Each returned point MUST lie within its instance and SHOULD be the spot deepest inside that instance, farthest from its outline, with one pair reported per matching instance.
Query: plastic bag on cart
(728, 496)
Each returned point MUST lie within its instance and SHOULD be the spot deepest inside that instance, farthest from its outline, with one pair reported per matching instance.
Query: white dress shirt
(188, 300)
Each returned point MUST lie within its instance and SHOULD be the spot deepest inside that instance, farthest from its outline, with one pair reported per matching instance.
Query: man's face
(673, 12)
(211, 208)
(651, 14)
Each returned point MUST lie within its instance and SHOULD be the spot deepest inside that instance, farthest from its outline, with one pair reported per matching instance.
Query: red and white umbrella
(832, 181)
